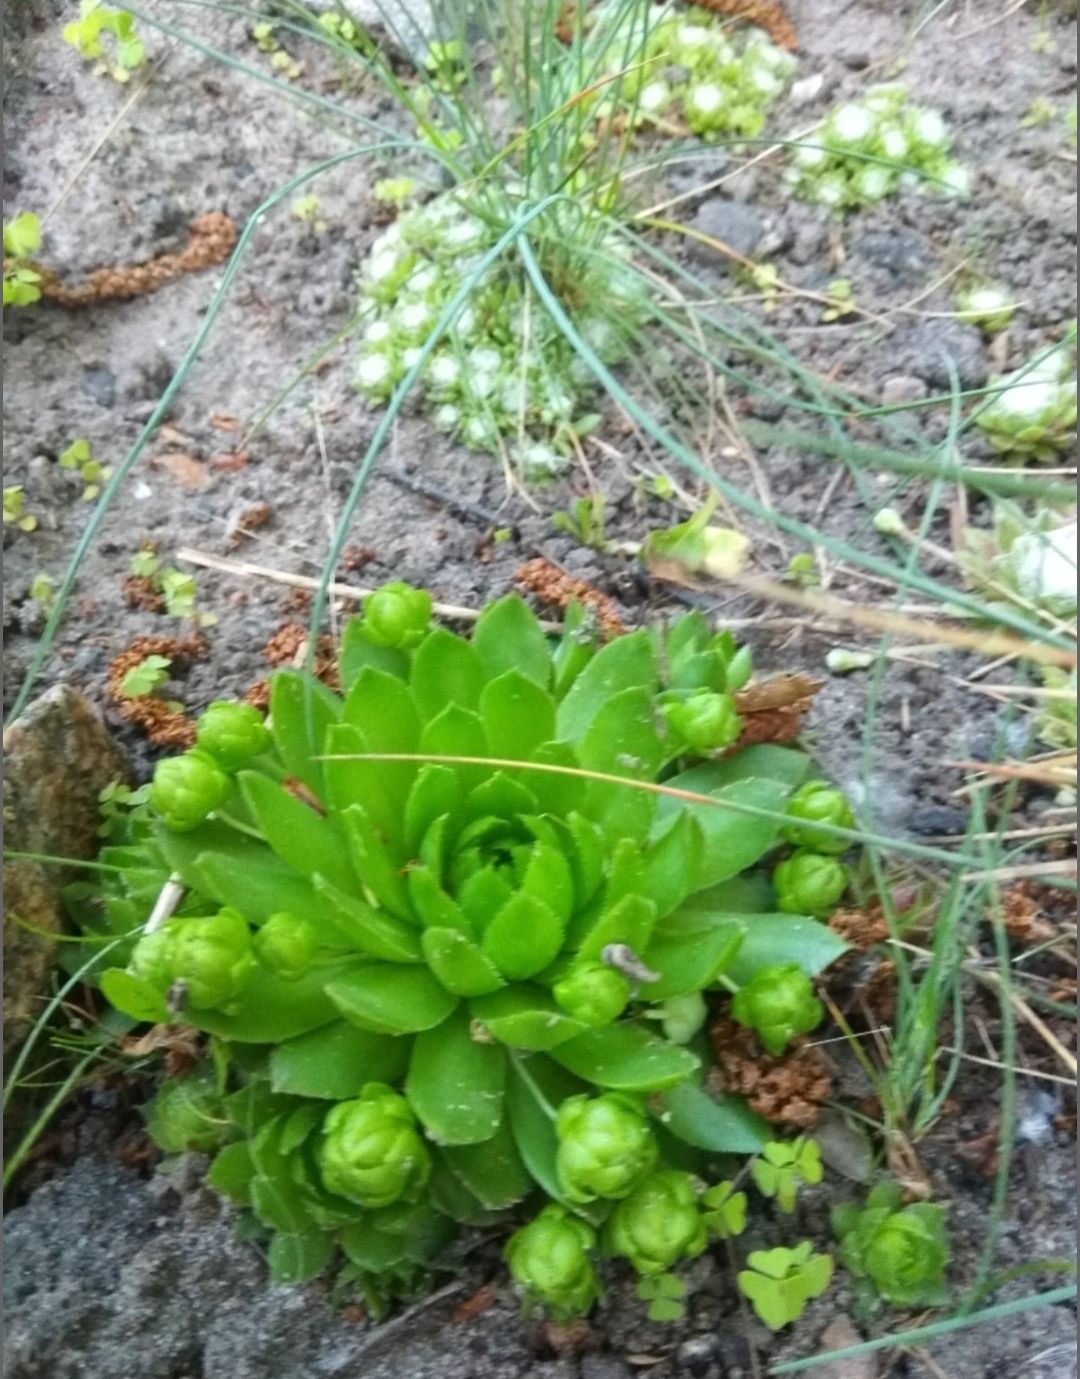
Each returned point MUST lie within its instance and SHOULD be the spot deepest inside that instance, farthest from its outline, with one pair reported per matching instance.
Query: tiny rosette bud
(906, 1255)
(551, 1260)
(817, 802)
(186, 1114)
(605, 1146)
(396, 615)
(231, 733)
(703, 722)
(808, 883)
(152, 958)
(187, 789)
(371, 1150)
(212, 957)
(593, 993)
(777, 1003)
(659, 1224)
(286, 946)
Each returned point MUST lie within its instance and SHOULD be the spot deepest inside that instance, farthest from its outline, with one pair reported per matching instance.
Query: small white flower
(894, 143)
(1044, 564)
(956, 180)
(873, 183)
(831, 192)
(444, 371)
(654, 98)
(373, 371)
(485, 359)
(850, 124)
(809, 156)
(706, 98)
(383, 265)
(446, 417)
(927, 127)
(693, 36)
(766, 83)
(464, 234)
(410, 356)
(480, 385)
(377, 333)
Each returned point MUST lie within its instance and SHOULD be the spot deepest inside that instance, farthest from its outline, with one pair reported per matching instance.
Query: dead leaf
(185, 469)
(782, 692)
(171, 435)
(236, 460)
(480, 1301)
(224, 422)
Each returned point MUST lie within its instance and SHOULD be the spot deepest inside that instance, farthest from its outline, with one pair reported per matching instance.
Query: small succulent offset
(721, 84)
(1033, 557)
(442, 940)
(896, 1253)
(22, 240)
(15, 513)
(78, 458)
(867, 150)
(1034, 414)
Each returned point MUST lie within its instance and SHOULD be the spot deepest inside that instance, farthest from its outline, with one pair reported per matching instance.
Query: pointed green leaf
(555, 792)
(357, 654)
(535, 1089)
(621, 738)
(376, 866)
(456, 732)
(518, 715)
(482, 896)
(499, 796)
(586, 857)
(234, 869)
(382, 706)
(524, 937)
(772, 940)
(376, 785)
(626, 1059)
(673, 862)
(133, 997)
(435, 791)
(548, 878)
(525, 1017)
(391, 999)
(355, 924)
(270, 1009)
(508, 636)
(627, 662)
(304, 839)
(630, 921)
(445, 670)
(295, 1259)
(336, 1061)
(301, 710)
(459, 964)
(435, 909)
(690, 961)
(727, 1126)
(492, 1171)
(732, 840)
(231, 1173)
(452, 1198)
(455, 1083)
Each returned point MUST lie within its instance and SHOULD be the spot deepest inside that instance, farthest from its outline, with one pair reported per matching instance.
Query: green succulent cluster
(869, 149)
(1031, 556)
(22, 240)
(1034, 414)
(504, 378)
(721, 83)
(894, 1252)
(451, 956)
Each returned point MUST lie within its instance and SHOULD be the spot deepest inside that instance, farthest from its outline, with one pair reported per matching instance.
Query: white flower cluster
(503, 378)
(836, 166)
(1035, 414)
(722, 85)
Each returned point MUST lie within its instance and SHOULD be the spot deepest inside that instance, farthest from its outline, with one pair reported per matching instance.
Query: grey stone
(928, 349)
(732, 223)
(696, 1356)
(934, 819)
(905, 256)
(604, 1367)
(99, 383)
(840, 1335)
(901, 388)
(58, 757)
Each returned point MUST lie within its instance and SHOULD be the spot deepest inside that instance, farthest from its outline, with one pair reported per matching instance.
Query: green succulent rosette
(897, 1252)
(447, 884)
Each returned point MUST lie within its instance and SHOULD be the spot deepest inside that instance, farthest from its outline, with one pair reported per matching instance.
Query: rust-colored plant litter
(559, 590)
(773, 711)
(766, 14)
(787, 1090)
(162, 724)
(210, 241)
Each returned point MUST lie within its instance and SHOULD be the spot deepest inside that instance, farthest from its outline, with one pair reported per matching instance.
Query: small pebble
(901, 388)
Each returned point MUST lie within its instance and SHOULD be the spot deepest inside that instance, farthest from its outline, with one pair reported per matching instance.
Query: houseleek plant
(449, 933)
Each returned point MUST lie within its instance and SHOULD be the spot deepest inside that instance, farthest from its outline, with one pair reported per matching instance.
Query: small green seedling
(340, 26)
(77, 457)
(446, 63)
(145, 678)
(115, 802)
(179, 591)
(664, 1294)
(1039, 112)
(394, 191)
(698, 547)
(263, 36)
(308, 209)
(985, 305)
(15, 514)
(584, 522)
(43, 591)
(802, 571)
(895, 1253)
(783, 1165)
(87, 34)
(22, 239)
(144, 564)
(780, 1282)
(725, 1213)
(841, 296)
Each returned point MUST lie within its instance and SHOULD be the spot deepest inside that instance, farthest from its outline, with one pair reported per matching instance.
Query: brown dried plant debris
(1021, 917)
(210, 241)
(861, 928)
(258, 696)
(787, 1090)
(141, 592)
(766, 14)
(288, 647)
(164, 726)
(559, 590)
(245, 522)
(356, 558)
(773, 711)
